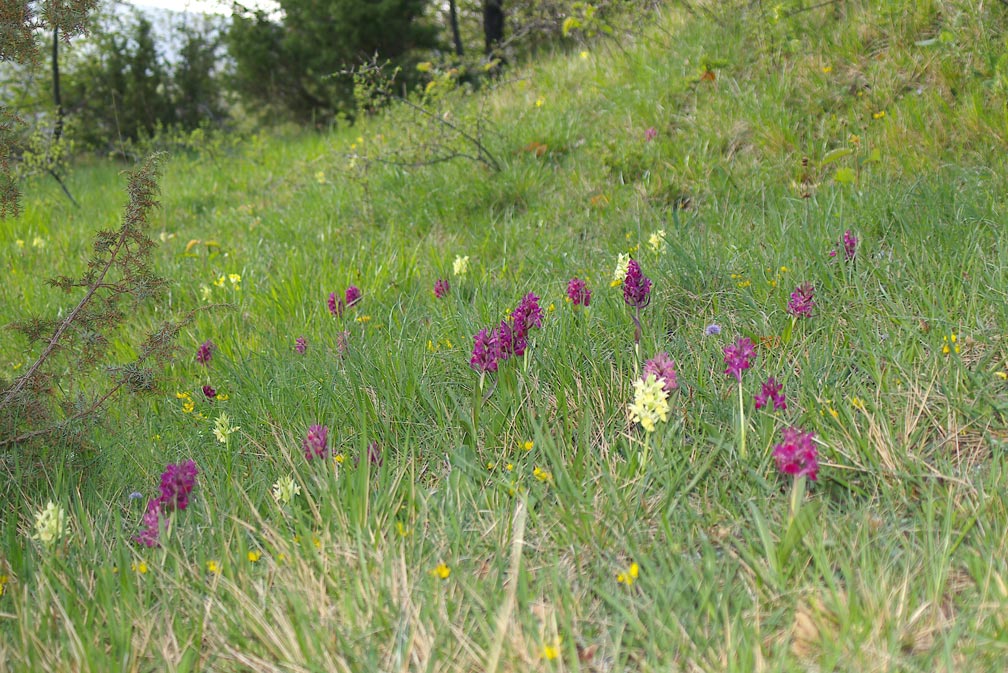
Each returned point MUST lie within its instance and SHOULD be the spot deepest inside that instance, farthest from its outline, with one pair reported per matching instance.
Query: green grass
(895, 560)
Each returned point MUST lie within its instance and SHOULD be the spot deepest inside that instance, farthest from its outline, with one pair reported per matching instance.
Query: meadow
(378, 484)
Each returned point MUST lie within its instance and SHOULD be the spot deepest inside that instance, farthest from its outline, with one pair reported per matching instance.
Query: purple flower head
(712, 329)
(796, 454)
(849, 244)
(209, 392)
(205, 352)
(177, 482)
(486, 352)
(300, 345)
(650, 134)
(663, 368)
(151, 522)
(636, 286)
(352, 295)
(528, 314)
(771, 392)
(738, 357)
(440, 288)
(335, 305)
(801, 303)
(315, 442)
(578, 292)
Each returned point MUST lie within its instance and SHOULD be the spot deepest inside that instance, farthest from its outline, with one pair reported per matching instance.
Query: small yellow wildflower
(461, 265)
(213, 567)
(551, 307)
(509, 467)
(583, 54)
(363, 319)
(441, 571)
(253, 556)
(235, 281)
(139, 568)
(424, 66)
(402, 530)
(857, 403)
(19, 243)
(540, 101)
(528, 445)
(650, 402)
(317, 541)
(827, 69)
(542, 475)
(220, 281)
(630, 575)
(551, 651)
(878, 115)
(320, 177)
(183, 396)
(38, 242)
(50, 524)
(950, 344)
(223, 397)
(339, 458)
(205, 292)
(4, 579)
(1002, 375)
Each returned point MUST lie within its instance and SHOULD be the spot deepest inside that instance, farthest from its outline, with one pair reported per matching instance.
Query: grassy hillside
(522, 520)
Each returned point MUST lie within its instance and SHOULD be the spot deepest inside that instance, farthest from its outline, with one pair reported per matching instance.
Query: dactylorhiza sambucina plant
(796, 456)
(738, 357)
(337, 305)
(441, 288)
(177, 484)
(771, 392)
(636, 295)
(651, 393)
(316, 442)
(510, 338)
(50, 525)
(848, 243)
(578, 293)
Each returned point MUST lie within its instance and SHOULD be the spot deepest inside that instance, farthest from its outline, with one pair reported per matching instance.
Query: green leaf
(845, 176)
(833, 155)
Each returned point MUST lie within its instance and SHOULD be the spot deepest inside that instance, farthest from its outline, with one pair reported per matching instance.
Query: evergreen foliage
(298, 64)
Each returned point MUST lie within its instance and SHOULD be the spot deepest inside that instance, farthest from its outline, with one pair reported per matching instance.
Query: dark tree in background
(493, 26)
(297, 63)
(20, 20)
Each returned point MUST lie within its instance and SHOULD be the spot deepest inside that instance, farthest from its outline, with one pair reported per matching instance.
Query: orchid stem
(742, 426)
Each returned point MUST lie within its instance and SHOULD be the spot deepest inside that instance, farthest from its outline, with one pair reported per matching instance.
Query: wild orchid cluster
(338, 305)
(510, 338)
(177, 483)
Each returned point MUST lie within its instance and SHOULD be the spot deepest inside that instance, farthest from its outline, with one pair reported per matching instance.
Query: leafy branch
(117, 273)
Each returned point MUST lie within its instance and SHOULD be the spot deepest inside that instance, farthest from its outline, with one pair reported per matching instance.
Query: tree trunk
(493, 26)
(456, 37)
(57, 98)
